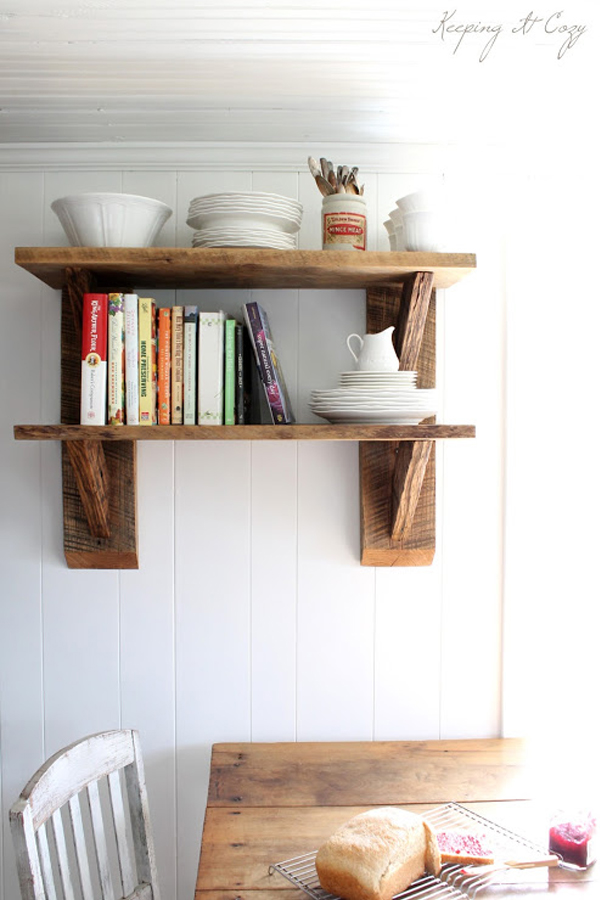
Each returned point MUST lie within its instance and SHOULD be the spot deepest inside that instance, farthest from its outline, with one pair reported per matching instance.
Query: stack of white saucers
(378, 398)
(245, 219)
(234, 236)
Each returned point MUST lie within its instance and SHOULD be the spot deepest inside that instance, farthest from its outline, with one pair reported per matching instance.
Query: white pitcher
(376, 352)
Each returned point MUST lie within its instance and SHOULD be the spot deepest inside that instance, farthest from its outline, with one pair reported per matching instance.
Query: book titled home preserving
(269, 366)
(211, 343)
(132, 376)
(190, 344)
(116, 360)
(145, 330)
(93, 359)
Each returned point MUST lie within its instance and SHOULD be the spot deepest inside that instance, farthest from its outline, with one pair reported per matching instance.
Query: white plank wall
(250, 617)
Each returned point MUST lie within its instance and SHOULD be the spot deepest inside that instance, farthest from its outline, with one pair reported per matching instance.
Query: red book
(164, 366)
(94, 340)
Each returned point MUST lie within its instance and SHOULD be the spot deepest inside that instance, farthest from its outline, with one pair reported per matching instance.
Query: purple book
(269, 365)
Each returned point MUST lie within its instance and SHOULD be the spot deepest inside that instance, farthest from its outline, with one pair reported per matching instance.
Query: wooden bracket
(89, 468)
(398, 479)
(99, 479)
(411, 464)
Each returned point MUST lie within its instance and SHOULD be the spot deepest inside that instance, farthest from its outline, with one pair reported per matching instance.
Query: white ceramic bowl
(420, 201)
(424, 231)
(397, 243)
(111, 220)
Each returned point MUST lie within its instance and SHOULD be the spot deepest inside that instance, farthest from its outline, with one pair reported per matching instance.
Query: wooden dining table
(270, 802)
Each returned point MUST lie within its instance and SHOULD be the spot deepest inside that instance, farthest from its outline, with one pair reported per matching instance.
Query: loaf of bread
(377, 854)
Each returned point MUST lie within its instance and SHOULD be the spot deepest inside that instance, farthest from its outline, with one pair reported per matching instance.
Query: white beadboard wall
(250, 617)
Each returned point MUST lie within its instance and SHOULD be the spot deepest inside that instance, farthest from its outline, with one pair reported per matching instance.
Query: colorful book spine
(145, 329)
(268, 364)
(154, 366)
(211, 331)
(190, 344)
(240, 358)
(132, 376)
(177, 365)
(93, 359)
(164, 366)
(116, 360)
(229, 373)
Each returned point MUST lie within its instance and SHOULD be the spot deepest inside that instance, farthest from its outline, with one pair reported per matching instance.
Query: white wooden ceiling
(302, 70)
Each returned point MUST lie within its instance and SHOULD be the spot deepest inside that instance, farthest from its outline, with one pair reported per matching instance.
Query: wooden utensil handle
(548, 861)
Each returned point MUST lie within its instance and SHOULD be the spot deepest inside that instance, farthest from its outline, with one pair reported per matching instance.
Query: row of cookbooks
(144, 365)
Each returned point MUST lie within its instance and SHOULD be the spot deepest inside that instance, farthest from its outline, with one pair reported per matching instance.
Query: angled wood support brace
(398, 479)
(99, 479)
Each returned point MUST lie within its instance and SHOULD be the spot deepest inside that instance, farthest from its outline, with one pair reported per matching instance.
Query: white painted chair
(81, 827)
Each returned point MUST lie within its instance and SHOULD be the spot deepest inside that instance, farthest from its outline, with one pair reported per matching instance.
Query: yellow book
(145, 329)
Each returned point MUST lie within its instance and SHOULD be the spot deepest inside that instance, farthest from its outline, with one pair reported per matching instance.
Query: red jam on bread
(463, 848)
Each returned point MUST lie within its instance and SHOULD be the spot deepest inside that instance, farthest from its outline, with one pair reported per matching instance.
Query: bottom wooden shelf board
(310, 432)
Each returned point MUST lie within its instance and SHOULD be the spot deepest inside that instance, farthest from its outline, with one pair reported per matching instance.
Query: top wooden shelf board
(177, 267)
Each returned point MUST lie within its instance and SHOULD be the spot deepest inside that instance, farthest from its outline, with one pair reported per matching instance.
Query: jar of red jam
(573, 837)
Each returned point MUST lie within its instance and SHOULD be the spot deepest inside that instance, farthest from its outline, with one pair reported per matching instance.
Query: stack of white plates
(245, 219)
(381, 398)
(234, 236)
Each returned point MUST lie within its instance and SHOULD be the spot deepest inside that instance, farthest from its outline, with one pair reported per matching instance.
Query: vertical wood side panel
(378, 460)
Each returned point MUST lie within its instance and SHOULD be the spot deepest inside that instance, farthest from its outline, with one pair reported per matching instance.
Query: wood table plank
(240, 845)
(351, 774)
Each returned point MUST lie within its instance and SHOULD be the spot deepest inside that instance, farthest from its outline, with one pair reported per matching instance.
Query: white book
(211, 345)
(132, 375)
(190, 345)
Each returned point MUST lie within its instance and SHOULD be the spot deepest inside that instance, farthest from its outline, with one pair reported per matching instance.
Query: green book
(230, 374)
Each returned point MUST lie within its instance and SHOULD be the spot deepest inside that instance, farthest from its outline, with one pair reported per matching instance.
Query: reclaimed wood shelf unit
(397, 468)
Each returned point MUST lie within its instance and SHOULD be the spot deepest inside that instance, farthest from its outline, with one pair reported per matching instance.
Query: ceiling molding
(380, 158)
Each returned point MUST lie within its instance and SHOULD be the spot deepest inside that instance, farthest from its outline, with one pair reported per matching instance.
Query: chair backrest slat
(29, 866)
(120, 824)
(143, 845)
(62, 855)
(80, 846)
(104, 873)
(46, 862)
(106, 841)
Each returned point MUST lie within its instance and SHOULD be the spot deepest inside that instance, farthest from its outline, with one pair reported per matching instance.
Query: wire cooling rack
(451, 884)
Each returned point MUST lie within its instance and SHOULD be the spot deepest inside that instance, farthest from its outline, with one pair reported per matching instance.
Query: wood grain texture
(89, 468)
(416, 296)
(242, 432)
(120, 549)
(183, 267)
(379, 466)
(409, 472)
(366, 773)
(77, 282)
